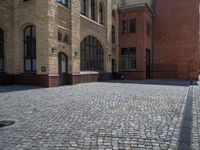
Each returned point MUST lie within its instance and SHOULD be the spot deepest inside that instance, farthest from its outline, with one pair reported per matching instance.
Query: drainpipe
(152, 42)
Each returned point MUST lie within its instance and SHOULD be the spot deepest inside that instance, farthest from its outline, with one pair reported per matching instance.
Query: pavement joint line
(186, 124)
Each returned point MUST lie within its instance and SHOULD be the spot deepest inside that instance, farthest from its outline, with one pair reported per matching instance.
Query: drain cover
(5, 123)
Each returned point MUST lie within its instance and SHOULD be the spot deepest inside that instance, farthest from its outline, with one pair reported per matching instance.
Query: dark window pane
(28, 34)
(93, 14)
(30, 49)
(59, 37)
(113, 34)
(128, 58)
(83, 7)
(91, 54)
(1, 49)
(66, 39)
(1, 35)
(133, 26)
(1, 64)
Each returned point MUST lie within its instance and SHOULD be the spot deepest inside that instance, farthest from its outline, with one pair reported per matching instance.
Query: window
(128, 58)
(101, 14)
(63, 2)
(148, 29)
(92, 57)
(125, 27)
(66, 39)
(30, 49)
(83, 7)
(1, 50)
(113, 34)
(93, 14)
(133, 26)
(59, 37)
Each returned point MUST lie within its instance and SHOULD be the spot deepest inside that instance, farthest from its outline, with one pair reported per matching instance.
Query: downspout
(152, 42)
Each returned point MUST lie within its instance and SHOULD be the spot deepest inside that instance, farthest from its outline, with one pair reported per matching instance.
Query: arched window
(30, 49)
(83, 7)
(93, 11)
(113, 34)
(91, 55)
(101, 13)
(1, 50)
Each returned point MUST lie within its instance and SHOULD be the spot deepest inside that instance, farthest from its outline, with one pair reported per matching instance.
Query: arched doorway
(92, 55)
(63, 68)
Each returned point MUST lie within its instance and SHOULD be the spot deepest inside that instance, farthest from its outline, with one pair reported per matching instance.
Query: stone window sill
(89, 72)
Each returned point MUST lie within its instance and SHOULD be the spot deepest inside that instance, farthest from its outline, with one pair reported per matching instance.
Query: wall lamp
(53, 50)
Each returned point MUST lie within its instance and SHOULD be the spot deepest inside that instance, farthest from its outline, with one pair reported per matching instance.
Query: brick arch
(24, 25)
(103, 44)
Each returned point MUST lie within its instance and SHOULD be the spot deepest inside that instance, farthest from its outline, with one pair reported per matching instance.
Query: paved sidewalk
(138, 115)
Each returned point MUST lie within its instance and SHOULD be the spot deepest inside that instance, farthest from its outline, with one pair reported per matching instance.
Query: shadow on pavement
(155, 82)
(15, 88)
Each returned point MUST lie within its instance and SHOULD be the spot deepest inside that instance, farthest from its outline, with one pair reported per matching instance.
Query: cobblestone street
(140, 115)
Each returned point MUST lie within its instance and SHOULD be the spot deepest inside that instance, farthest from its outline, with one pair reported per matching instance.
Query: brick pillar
(53, 43)
(75, 39)
(108, 23)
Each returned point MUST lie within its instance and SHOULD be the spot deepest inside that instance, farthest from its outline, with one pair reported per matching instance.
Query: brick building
(58, 42)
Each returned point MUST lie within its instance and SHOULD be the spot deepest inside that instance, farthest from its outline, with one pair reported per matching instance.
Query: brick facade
(140, 40)
(173, 44)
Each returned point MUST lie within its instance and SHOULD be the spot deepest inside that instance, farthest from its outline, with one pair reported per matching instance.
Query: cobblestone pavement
(196, 118)
(138, 115)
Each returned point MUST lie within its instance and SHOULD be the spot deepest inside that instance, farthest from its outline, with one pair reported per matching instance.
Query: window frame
(128, 57)
(32, 44)
(92, 55)
(83, 7)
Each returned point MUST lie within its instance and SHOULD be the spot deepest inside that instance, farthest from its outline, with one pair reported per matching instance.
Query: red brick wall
(176, 47)
(140, 40)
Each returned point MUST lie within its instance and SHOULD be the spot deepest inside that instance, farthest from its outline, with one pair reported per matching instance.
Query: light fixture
(53, 50)
(109, 56)
(76, 54)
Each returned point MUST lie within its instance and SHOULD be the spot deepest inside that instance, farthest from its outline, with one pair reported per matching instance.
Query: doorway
(148, 64)
(63, 68)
